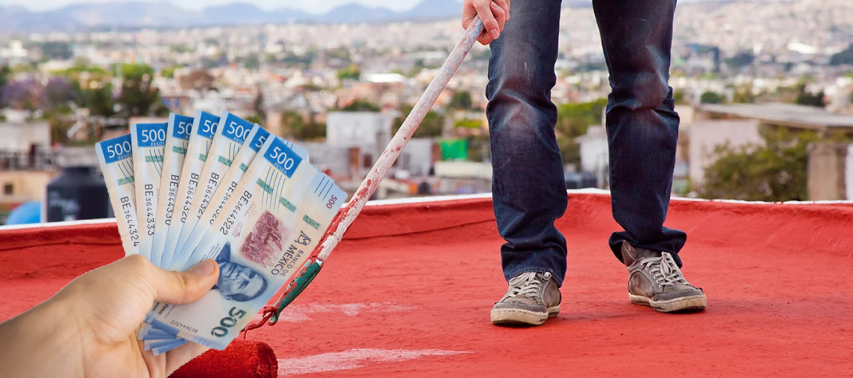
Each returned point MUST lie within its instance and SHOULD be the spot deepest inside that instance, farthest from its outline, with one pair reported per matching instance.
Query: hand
(494, 13)
(89, 328)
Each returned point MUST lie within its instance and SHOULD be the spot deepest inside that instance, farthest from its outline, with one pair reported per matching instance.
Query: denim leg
(642, 125)
(528, 186)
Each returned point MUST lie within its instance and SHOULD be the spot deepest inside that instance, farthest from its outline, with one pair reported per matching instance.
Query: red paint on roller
(242, 359)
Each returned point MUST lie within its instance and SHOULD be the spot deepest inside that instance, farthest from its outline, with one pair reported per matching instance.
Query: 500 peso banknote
(116, 160)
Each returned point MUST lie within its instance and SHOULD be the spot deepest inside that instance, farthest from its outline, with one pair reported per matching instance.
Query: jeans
(529, 191)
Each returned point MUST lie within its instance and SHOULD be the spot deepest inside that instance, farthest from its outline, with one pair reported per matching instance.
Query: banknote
(177, 140)
(228, 140)
(201, 136)
(162, 346)
(116, 160)
(230, 180)
(275, 219)
(148, 332)
(148, 345)
(149, 144)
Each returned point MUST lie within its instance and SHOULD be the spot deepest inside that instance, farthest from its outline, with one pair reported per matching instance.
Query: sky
(311, 6)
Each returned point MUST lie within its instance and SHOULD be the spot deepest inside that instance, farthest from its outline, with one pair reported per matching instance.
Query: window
(8, 189)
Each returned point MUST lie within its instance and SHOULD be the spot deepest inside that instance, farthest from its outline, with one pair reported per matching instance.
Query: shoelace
(527, 284)
(664, 269)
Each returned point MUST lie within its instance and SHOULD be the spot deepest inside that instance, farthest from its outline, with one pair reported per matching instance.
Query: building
(367, 133)
(27, 163)
(830, 171)
(739, 125)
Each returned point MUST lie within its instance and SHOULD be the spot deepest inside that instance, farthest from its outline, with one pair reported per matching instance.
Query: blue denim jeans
(642, 131)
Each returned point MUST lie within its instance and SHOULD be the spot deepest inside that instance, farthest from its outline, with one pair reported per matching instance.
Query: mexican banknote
(149, 145)
(201, 136)
(115, 157)
(177, 140)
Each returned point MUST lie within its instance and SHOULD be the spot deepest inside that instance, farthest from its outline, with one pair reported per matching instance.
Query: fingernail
(204, 268)
(494, 32)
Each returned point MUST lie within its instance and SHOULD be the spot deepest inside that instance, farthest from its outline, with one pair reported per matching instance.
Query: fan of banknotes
(221, 188)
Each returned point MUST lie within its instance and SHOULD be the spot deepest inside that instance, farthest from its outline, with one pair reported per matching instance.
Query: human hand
(494, 13)
(89, 328)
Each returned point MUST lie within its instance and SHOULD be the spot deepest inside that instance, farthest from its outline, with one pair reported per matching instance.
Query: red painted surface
(424, 276)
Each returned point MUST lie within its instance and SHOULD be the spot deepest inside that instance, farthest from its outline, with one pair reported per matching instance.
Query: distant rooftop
(784, 114)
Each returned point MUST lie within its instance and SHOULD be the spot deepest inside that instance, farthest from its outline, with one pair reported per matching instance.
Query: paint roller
(241, 359)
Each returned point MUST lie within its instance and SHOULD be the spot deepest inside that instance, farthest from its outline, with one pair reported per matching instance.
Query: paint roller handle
(404, 134)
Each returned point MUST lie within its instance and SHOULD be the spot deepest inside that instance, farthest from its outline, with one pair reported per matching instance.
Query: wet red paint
(777, 279)
(242, 359)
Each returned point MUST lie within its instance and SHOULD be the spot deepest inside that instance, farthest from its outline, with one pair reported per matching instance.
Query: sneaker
(532, 298)
(656, 281)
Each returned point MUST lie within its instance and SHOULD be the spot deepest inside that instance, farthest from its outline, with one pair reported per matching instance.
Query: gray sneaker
(656, 281)
(532, 298)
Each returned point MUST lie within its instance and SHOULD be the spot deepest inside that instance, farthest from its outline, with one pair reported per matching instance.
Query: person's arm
(89, 328)
(43, 336)
(494, 13)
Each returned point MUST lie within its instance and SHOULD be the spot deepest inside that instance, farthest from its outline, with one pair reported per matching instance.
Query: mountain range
(163, 14)
(133, 14)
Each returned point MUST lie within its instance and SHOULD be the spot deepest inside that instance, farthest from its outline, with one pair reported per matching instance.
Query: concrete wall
(830, 171)
(706, 135)
(594, 153)
(322, 156)
(848, 173)
(463, 170)
(417, 156)
(18, 137)
(370, 131)
(26, 185)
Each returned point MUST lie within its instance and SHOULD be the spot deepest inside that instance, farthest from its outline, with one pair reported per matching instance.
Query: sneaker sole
(519, 317)
(692, 303)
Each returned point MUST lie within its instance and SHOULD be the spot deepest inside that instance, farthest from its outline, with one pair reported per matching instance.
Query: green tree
(678, 96)
(259, 105)
(138, 97)
(352, 72)
(296, 127)
(292, 123)
(5, 71)
(478, 148)
(743, 95)
(460, 100)
(844, 57)
(712, 98)
(361, 106)
(469, 123)
(776, 171)
(255, 119)
(741, 59)
(431, 127)
(809, 99)
(169, 72)
(252, 63)
(99, 100)
(57, 50)
(573, 120)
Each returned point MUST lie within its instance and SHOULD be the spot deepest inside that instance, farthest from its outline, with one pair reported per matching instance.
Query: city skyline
(308, 6)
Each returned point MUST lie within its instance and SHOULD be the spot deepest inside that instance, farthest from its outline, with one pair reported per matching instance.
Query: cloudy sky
(313, 6)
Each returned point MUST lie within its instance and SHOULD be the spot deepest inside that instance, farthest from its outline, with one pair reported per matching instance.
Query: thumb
(184, 287)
